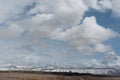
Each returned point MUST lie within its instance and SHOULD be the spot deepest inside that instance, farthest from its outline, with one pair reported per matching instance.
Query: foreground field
(40, 76)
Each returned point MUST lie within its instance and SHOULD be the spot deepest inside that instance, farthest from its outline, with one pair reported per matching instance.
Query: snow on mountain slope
(99, 71)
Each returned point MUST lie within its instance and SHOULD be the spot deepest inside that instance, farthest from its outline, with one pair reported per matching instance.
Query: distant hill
(67, 71)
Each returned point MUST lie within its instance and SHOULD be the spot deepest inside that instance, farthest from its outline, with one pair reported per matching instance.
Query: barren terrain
(16, 75)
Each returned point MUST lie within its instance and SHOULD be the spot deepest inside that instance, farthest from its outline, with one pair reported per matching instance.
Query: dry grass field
(39, 76)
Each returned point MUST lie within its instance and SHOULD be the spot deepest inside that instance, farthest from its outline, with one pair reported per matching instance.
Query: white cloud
(11, 32)
(88, 37)
(70, 12)
(103, 5)
(40, 26)
(100, 5)
(112, 60)
(93, 63)
(66, 12)
(10, 9)
(114, 5)
(116, 8)
(102, 48)
(48, 17)
(56, 20)
(59, 14)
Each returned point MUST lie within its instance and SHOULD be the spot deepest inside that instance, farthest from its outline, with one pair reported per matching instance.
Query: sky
(79, 33)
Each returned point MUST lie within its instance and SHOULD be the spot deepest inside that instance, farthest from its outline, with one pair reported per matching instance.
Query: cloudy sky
(66, 32)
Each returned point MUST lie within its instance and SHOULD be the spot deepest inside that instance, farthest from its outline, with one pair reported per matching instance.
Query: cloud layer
(88, 37)
(37, 24)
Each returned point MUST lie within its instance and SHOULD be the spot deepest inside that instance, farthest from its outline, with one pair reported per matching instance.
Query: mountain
(53, 68)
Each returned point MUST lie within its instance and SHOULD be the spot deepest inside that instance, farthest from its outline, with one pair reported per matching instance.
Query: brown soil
(39, 76)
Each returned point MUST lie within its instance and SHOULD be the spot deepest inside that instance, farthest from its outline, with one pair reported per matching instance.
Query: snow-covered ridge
(99, 71)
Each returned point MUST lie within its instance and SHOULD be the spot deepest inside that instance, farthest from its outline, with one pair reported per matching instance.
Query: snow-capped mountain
(53, 68)
(99, 71)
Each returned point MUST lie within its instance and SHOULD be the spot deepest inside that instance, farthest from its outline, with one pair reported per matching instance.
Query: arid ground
(12, 75)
